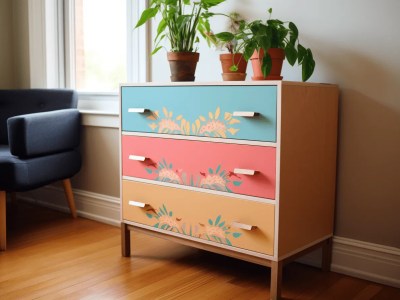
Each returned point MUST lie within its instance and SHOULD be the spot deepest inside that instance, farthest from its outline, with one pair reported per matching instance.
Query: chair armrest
(44, 133)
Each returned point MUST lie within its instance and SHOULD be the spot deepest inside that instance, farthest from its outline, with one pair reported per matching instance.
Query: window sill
(98, 118)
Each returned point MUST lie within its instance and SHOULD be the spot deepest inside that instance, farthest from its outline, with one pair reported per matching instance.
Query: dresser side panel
(309, 118)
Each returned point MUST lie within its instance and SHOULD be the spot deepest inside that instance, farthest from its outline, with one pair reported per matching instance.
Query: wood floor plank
(51, 256)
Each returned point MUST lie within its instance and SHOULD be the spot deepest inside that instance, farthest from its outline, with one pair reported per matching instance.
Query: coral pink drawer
(215, 218)
(241, 169)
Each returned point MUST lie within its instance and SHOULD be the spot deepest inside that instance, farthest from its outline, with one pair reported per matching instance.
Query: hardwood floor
(52, 256)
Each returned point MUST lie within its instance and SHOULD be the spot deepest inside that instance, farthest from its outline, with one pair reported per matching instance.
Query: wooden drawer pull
(137, 157)
(137, 204)
(138, 110)
(247, 114)
(244, 172)
(243, 226)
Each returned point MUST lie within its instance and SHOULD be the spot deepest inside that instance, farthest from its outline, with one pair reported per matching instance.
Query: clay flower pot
(229, 59)
(183, 65)
(277, 57)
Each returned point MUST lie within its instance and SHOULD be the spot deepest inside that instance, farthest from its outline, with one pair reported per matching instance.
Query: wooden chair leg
(276, 279)
(3, 229)
(70, 197)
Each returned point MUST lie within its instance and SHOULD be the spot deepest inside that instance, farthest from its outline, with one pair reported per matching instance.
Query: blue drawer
(208, 111)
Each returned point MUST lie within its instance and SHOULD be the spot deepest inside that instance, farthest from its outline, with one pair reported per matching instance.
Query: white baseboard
(355, 258)
(98, 207)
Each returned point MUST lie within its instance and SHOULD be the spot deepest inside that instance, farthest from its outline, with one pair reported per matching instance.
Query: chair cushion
(25, 174)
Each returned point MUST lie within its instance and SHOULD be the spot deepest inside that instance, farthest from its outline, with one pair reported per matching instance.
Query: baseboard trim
(368, 261)
(98, 207)
(374, 262)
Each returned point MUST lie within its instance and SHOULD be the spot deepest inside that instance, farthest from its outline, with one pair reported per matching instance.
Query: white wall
(356, 45)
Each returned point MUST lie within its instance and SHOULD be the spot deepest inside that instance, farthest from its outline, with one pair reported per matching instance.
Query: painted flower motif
(218, 179)
(166, 173)
(215, 182)
(215, 230)
(214, 126)
(165, 219)
(169, 175)
(166, 124)
(218, 232)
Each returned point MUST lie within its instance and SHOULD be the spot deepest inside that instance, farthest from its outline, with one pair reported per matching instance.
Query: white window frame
(51, 51)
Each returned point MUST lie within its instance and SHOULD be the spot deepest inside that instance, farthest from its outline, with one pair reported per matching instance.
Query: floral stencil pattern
(213, 126)
(218, 179)
(215, 230)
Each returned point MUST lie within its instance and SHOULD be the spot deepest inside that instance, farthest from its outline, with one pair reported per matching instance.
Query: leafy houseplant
(182, 21)
(263, 39)
(233, 63)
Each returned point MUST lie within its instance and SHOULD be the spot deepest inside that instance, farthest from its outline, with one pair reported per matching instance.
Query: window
(100, 45)
(88, 45)
(102, 48)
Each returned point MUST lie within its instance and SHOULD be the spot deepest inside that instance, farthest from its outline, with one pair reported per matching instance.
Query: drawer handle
(137, 157)
(244, 172)
(136, 203)
(247, 114)
(243, 226)
(138, 110)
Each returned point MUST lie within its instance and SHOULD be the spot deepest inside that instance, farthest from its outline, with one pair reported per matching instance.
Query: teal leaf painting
(236, 234)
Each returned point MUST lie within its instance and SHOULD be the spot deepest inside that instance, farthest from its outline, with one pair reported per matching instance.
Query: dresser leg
(276, 279)
(125, 240)
(326, 255)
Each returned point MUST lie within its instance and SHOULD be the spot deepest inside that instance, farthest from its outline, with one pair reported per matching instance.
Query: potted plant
(181, 23)
(233, 63)
(268, 43)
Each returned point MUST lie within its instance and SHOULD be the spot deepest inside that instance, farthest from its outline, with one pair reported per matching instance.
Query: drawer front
(229, 221)
(209, 111)
(216, 166)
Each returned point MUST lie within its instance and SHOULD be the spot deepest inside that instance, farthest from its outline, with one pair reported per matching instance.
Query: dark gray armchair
(39, 140)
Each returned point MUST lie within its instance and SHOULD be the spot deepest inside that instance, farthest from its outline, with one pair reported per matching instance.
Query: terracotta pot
(183, 65)
(228, 60)
(234, 76)
(277, 57)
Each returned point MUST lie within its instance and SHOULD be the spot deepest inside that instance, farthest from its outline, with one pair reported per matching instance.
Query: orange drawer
(240, 169)
(229, 221)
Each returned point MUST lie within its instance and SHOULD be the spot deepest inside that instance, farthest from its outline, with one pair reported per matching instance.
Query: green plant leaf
(291, 54)
(294, 32)
(233, 68)
(209, 3)
(266, 65)
(225, 36)
(146, 15)
(301, 53)
(156, 50)
(308, 65)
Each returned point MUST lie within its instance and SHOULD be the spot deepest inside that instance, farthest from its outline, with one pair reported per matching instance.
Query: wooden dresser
(244, 169)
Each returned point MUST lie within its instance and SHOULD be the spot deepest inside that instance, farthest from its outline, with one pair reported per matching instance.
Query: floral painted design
(213, 126)
(164, 172)
(219, 179)
(215, 179)
(165, 219)
(215, 230)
